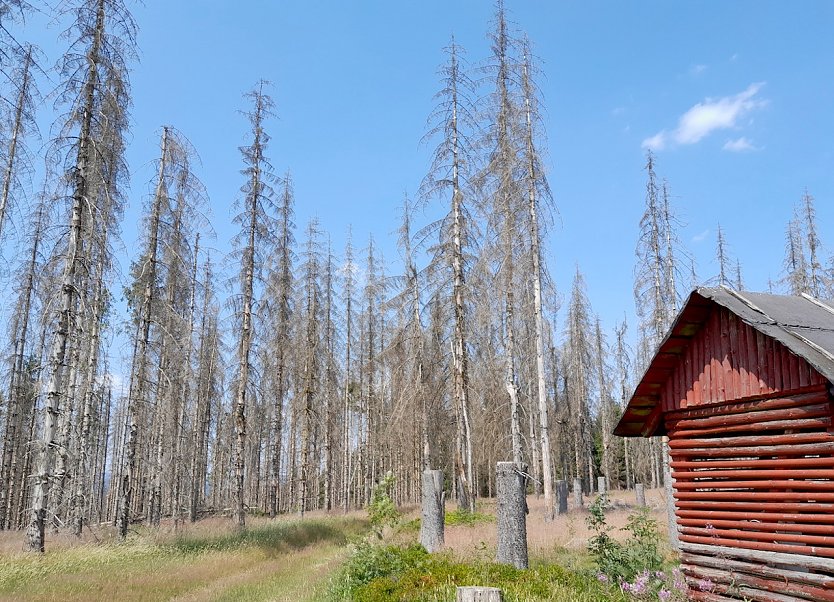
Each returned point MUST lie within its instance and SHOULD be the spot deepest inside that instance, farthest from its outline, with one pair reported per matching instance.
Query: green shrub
(466, 518)
(622, 562)
(382, 511)
(383, 573)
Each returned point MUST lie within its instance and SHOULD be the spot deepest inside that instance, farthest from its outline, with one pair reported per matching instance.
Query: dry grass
(281, 559)
(568, 532)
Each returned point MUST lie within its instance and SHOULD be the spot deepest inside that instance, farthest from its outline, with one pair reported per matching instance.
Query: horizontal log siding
(754, 482)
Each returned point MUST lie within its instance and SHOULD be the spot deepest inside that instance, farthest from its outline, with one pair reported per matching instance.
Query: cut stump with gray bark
(512, 514)
(577, 493)
(601, 486)
(562, 497)
(434, 512)
(640, 490)
(479, 594)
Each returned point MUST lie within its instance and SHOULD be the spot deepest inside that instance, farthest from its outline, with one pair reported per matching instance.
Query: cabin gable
(727, 359)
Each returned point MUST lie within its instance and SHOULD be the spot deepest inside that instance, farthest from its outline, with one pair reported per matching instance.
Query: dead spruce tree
(94, 69)
(453, 124)
(21, 125)
(348, 270)
(578, 360)
(21, 395)
(279, 286)
(538, 197)
(208, 391)
(257, 227)
(502, 187)
(144, 301)
(309, 357)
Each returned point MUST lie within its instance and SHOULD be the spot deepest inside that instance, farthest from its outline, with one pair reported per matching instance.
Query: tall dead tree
(500, 176)
(20, 399)
(453, 123)
(21, 124)
(538, 191)
(257, 225)
(146, 277)
(280, 287)
(95, 68)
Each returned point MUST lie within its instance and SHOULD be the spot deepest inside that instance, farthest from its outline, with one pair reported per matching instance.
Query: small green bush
(466, 518)
(382, 511)
(383, 573)
(634, 568)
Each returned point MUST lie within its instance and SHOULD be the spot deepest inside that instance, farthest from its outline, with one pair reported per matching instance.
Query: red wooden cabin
(742, 386)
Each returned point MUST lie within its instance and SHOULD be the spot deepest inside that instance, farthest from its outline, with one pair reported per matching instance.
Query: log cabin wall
(752, 456)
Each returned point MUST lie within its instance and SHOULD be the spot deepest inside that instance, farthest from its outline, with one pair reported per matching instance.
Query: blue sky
(737, 98)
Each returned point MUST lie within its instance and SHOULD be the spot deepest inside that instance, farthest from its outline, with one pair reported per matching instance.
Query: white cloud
(739, 145)
(700, 237)
(707, 117)
(656, 142)
(696, 70)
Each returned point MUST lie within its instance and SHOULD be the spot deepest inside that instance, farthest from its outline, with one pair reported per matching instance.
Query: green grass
(268, 562)
(468, 519)
(408, 573)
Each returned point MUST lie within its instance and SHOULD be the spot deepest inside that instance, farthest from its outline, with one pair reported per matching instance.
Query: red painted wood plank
(815, 424)
(793, 369)
(722, 353)
(709, 382)
(761, 451)
(755, 525)
(809, 443)
(763, 362)
(753, 361)
(698, 368)
(755, 588)
(742, 361)
(772, 484)
(751, 463)
(760, 545)
(733, 355)
(758, 413)
(811, 395)
(810, 540)
(785, 363)
(773, 366)
(756, 496)
(710, 515)
(758, 506)
(701, 475)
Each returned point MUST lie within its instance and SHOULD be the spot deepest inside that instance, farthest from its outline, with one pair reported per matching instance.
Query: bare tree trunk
(139, 375)
(52, 408)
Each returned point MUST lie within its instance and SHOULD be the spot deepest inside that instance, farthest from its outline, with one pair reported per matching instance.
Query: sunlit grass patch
(158, 567)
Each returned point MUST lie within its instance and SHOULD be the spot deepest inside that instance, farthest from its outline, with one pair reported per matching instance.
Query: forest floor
(281, 559)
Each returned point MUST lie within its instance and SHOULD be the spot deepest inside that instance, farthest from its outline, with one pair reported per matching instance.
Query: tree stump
(640, 490)
(562, 497)
(601, 485)
(577, 493)
(479, 594)
(512, 514)
(434, 512)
